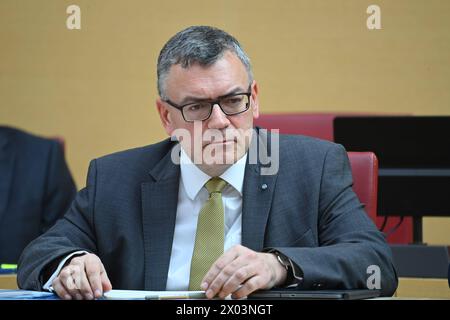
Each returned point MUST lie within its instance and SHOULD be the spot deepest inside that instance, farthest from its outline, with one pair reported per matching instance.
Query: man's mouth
(219, 142)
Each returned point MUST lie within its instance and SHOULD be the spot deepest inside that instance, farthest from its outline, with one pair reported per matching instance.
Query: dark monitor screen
(398, 141)
(414, 160)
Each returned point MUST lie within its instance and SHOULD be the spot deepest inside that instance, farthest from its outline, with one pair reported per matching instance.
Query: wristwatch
(291, 269)
(283, 260)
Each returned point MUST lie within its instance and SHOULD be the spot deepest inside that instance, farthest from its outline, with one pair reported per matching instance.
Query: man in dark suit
(290, 221)
(36, 189)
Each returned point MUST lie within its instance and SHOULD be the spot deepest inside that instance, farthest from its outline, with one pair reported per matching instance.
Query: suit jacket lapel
(257, 195)
(159, 207)
(7, 156)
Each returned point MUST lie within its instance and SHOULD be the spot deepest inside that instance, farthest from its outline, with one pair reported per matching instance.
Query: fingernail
(204, 286)
(98, 293)
(89, 296)
(67, 297)
(209, 293)
(78, 296)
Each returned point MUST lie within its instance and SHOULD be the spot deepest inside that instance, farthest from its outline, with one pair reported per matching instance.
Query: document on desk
(152, 295)
(6, 294)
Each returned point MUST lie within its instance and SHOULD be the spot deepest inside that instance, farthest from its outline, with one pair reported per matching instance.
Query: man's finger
(85, 286)
(217, 267)
(93, 270)
(60, 290)
(69, 277)
(227, 272)
(249, 286)
(236, 280)
(106, 284)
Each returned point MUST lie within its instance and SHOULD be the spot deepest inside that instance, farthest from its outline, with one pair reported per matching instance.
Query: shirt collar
(194, 179)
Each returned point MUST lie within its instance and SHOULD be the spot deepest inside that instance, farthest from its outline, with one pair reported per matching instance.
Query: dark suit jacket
(126, 215)
(36, 189)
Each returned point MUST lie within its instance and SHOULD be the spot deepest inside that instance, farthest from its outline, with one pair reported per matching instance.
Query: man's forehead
(221, 93)
(220, 78)
(227, 63)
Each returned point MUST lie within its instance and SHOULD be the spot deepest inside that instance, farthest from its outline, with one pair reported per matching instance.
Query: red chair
(365, 184)
(320, 125)
(365, 180)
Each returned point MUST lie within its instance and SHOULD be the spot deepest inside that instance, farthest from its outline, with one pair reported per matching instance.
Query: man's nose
(218, 119)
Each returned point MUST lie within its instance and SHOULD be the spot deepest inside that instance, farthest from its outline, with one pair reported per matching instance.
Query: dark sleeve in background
(37, 189)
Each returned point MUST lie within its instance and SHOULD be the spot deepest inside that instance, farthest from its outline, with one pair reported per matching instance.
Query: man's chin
(220, 153)
(219, 159)
(214, 170)
(216, 163)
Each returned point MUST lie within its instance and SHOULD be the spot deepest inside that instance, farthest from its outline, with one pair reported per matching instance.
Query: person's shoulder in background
(36, 188)
(23, 140)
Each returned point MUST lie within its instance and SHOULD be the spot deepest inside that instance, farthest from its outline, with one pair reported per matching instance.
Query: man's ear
(255, 101)
(165, 116)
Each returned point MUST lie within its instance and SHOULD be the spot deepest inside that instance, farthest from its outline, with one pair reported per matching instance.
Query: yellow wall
(96, 86)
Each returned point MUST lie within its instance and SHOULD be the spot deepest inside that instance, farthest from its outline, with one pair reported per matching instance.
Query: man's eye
(233, 100)
(194, 107)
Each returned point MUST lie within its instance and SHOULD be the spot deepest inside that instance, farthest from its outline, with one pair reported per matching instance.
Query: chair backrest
(320, 125)
(365, 180)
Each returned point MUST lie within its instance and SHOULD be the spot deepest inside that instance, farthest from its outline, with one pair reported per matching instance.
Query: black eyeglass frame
(213, 103)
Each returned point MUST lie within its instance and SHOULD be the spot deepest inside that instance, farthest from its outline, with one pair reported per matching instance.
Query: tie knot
(215, 185)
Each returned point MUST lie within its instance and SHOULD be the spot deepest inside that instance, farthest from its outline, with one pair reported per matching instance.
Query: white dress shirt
(191, 196)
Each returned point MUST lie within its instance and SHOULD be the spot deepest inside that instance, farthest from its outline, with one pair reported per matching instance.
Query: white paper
(142, 295)
(25, 294)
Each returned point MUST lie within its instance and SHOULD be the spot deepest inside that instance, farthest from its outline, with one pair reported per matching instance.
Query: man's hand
(83, 278)
(240, 271)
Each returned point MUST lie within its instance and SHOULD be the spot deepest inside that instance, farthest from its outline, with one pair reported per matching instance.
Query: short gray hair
(198, 44)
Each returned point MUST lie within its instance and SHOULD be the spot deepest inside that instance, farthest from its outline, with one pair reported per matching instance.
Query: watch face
(284, 262)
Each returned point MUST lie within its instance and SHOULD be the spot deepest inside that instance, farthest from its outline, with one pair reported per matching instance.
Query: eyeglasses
(230, 105)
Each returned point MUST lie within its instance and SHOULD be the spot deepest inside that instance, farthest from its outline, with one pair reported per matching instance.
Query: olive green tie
(209, 239)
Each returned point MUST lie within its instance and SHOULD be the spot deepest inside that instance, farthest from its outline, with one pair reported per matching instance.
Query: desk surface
(423, 288)
(8, 281)
(407, 288)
